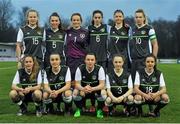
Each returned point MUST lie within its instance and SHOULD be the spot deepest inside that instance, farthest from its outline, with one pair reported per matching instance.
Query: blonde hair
(142, 11)
(27, 14)
(35, 68)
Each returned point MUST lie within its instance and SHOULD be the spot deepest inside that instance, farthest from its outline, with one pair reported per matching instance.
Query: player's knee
(45, 95)
(82, 93)
(75, 92)
(157, 99)
(165, 98)
(137, 99)
(68, 93)
(37, 95)
(130, 98)
(13, 94)
(108, 101)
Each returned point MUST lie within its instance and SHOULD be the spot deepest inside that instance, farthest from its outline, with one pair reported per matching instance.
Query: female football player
(98, 38)
(89, 83)
(55, 37)
(29, 38)
(119, 36)
(119, 86)
(57, 83)
(26, 86)
(76, 44)
(150, 87)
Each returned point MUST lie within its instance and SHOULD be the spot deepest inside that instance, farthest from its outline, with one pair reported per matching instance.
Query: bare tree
(6, 12)
(22, 16)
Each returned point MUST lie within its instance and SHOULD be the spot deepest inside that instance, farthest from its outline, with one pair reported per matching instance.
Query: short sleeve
(68, 75)
(16, 79)
(20, 36)
(101, 74)
(137, 81)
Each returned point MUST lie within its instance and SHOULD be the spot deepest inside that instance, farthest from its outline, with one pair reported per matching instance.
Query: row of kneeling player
(90, 82)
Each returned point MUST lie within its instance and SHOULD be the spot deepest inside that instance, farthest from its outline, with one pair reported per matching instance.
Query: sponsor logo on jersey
(94, 77)
(61, 78)
(60, 36)
(102, 30)
(154, 79)
(143, 32)
(124, 81)
(82, 36)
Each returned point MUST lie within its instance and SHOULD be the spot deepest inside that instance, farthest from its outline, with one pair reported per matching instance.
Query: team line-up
(110, 65)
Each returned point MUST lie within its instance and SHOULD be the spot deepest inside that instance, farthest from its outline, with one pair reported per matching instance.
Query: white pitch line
(7, 67)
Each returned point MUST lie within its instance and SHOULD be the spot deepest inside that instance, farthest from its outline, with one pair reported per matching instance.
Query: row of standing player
(149, 86)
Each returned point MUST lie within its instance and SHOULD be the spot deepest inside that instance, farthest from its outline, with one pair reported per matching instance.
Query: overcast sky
(155, 9)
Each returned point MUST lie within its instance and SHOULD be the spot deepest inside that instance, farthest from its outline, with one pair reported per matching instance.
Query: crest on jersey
(143, 32)
(61, 78)
(60, 36)
(28, 33)
(124, 81)
(154, 79)
(113, 32)
(94, 77)
(39, 32)
(70, 35)
(49, 36)
(82, 36)
(123, 33)
(92, 31)
(24, 79)
(102, 30)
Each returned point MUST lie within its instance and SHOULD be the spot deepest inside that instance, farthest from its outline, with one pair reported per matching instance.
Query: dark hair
(76, 14)
(120, 11)
(55, 53)
(155, 59)
(56, 14)
(91, 53)
(35, 68)
(95, 12)
(118, 55)
(142, 11)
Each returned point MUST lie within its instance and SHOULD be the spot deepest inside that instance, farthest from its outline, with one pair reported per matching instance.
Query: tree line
(168, 33)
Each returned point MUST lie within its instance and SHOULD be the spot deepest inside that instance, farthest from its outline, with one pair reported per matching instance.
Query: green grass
(169, 114)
